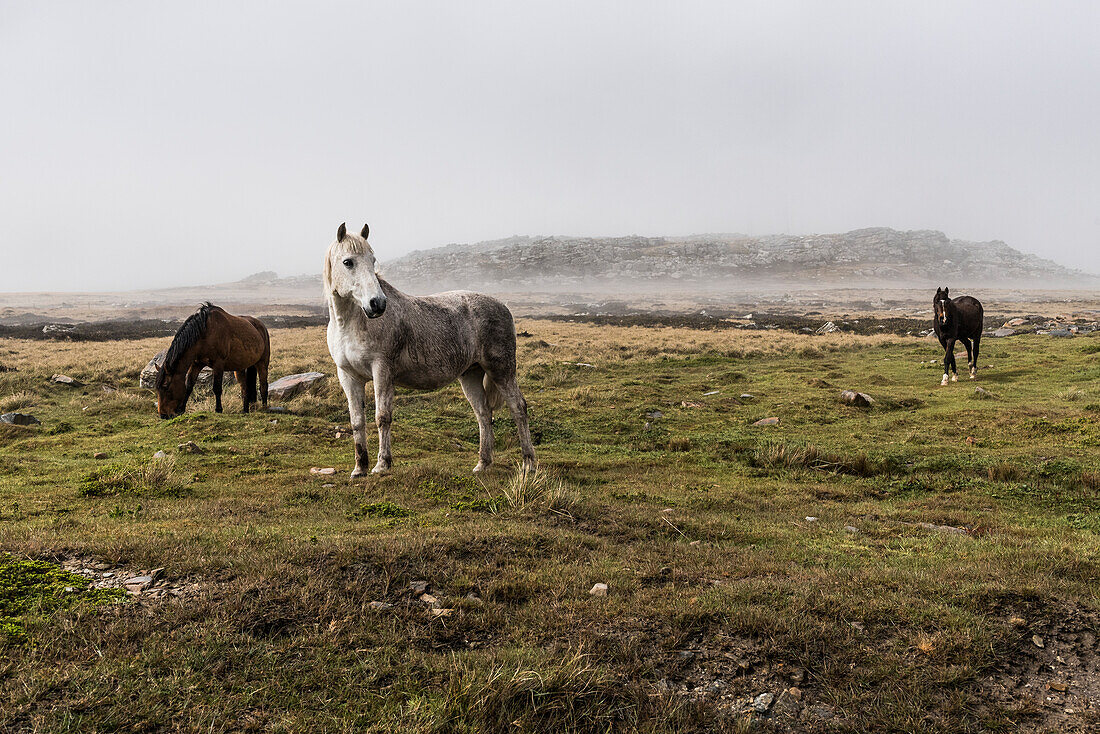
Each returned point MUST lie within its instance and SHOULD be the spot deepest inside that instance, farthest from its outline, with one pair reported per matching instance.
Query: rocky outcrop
(876, 255)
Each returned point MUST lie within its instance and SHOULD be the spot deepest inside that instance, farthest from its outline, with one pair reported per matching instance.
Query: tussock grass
(527, 490)
(155, 477)
(17, 400)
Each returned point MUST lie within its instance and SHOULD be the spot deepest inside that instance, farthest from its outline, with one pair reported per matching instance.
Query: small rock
(648, 426)
(797, 675)
(287, 387)
(322, 470)
(598, 590)
(858, 399)
(19, 419)
(65, 380)
(747, 396)
(1017, 621)
(430, 600)
(99, 455)
(191, 448)
(160, 455)
(380, 605)
(717, 685)
(1037, 641)
(982, 393)
(473, 598)
(851, 529)
(328, 486)
(103, 566)
(138, 584)
(1058, 685)
(690, 404)
(437, 612)
(773, 421)
(418, 587)
(655, 414)
(712, 392)
(763, 702)
(810, 518)
(1004, 332)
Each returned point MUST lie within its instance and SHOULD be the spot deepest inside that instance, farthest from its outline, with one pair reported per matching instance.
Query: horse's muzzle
(377, 307)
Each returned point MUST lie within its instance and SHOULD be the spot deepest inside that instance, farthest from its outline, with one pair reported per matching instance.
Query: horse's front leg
(969, 356)
(948, 350)
(383, 415)
(217, 383)
(355, 391)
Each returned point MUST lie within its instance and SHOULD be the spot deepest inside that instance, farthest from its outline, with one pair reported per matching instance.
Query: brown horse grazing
(212, 338)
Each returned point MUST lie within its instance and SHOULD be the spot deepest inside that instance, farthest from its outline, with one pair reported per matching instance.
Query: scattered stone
(712, 392)
(1015, 322)
(1004, 332)
(827, 328)
(858, 399)
(1061, 332)
(773, 421)
(944, 528)
(65, 380)
(430, 600)
(982, 393)
(821, 711)
(437, 612)
(138, 584)
(690, 404)
(695, 542)
(811, 518)
(473, 598)
(1017, 622)
(851, 529)
(747, 396)
(380, 605)
(102, 566)
(655, 414)
(1037, 641)
(717, 685)
(191, 448)
(797, 675)
(789, 703)
(598, 590)
(319, 470)
(287, 387)
(328, 486)
(418, 587)
(99, 455)
(1058, 685)
(19, 419)
(763, 702)
(160, 455)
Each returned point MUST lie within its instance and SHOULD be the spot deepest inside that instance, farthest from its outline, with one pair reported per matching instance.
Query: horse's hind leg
(242, 381)
(474, 391)
(974, 363)
(383, 416)
(261, 372)
(355, 391)
(969, 356)
(518, 407)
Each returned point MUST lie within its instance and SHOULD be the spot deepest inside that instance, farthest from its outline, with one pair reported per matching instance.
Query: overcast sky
(151, 144)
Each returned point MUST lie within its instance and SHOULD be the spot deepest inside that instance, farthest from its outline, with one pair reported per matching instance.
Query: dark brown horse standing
(212, 338)
(958, 319)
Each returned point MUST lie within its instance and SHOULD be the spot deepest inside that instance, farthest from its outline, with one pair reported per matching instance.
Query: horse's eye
(349, 263)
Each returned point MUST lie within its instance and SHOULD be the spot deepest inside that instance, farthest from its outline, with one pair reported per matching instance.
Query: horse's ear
(945, 292)
(342, 232)
(365, 232)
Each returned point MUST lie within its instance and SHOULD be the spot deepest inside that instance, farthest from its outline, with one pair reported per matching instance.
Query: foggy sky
(153, 144)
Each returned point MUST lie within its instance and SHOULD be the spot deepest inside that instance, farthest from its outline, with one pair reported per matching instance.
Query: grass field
(930, 563)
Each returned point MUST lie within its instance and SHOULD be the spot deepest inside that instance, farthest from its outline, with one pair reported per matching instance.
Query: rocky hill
(879, 257)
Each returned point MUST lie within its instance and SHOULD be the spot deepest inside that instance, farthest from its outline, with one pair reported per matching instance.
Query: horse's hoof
(358, 472)
(380, 469)
(481, 466)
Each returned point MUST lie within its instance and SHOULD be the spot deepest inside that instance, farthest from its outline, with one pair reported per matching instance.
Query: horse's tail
(250, 384)
(492, 393)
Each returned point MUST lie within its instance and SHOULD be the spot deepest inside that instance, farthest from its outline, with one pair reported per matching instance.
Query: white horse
(376, 332)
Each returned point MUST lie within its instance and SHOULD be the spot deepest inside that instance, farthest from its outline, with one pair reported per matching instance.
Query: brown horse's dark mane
(188, 335)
